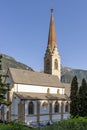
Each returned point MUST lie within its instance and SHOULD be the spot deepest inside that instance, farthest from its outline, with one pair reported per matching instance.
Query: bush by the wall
(70, 124)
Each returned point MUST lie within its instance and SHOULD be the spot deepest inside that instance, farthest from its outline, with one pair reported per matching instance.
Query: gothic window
(56, 107)
(31, 108)
(48, 90)
(45, 104)
(67, 107)
(58, 91)
(47, 65)
(55, 64)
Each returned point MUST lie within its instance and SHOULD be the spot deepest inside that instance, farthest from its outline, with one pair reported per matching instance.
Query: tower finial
(51, 10)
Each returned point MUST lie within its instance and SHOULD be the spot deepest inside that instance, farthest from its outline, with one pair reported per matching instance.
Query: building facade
(35, 96)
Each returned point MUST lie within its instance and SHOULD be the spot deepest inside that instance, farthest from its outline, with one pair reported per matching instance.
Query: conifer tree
(83, 99)
(74, 97)
(3, 87)
(3, 90)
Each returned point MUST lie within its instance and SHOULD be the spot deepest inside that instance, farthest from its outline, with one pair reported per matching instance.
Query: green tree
(74, 97)
(83, 98)
(3, 90)
(3, 87)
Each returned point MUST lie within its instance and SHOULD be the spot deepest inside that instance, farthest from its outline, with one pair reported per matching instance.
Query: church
(39, 96)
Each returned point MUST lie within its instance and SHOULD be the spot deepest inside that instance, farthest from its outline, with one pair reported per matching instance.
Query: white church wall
(66, 115)
(30, 119)
(62, 91)
(56, 117)
(44, 118)
(14, 108)
(38, 89)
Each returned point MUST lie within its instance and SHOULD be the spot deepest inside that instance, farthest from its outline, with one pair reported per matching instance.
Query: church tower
(52, 63)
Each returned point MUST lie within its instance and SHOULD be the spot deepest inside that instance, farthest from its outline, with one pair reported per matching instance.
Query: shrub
(79, 123)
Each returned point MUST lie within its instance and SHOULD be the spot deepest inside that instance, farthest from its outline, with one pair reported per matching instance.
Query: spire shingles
(52, 34)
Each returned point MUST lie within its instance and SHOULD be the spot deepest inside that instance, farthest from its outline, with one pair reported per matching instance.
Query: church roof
(52, 34)
(27, 77)
(38, 96)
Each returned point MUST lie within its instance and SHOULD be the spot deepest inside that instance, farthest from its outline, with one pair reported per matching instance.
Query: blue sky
(24, 26)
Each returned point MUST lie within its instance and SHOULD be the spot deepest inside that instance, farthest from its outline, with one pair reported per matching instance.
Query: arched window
(31, 108)
(56, 107)
(48, 90)
(47, 65)
(58, 91)
(55, 64)
(67, 107)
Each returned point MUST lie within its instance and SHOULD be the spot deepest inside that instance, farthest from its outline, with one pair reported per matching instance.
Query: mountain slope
(69, 73)
(8, 61)
(66, 73)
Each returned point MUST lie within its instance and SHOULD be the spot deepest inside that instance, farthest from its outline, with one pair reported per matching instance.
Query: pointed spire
(52, 34)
